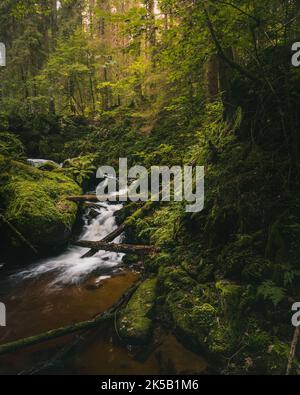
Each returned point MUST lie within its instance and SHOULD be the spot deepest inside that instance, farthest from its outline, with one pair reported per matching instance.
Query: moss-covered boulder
(191, 307)
(135, 324)
(193, 319)
(35, 204)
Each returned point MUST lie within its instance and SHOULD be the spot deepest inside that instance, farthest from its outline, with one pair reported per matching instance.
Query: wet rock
(92, 214)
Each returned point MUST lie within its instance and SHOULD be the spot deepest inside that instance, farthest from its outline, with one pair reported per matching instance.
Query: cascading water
(61, 290)
(38, 162)
(69, 267)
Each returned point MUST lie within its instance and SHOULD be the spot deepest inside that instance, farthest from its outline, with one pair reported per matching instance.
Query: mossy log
(69, 329)
(119, 248)
(53, 334)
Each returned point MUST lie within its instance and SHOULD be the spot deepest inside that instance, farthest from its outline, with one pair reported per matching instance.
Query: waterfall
(68, 267)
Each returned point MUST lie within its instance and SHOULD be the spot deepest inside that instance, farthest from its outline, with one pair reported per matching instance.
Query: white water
(38, 162)
(69, 268)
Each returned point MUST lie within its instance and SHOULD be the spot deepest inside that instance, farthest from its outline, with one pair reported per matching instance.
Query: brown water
(33, 309)
(66, 289)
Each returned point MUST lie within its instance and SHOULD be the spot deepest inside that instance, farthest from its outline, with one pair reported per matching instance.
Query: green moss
(135, 324)
(222, 340)
(172, 277)
(191, 307)
(230, 298)
(35, 203)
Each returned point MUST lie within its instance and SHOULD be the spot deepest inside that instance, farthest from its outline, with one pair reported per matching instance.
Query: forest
(146, 287)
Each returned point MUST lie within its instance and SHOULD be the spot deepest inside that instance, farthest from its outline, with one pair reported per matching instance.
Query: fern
(270, 291)
(80, 168)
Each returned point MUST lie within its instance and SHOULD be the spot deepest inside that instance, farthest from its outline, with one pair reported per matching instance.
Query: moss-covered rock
(192, 307)
(192, 318)
(135, 324)
(35, 203)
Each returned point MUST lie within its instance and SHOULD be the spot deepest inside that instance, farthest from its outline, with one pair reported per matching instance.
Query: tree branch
(257, 20)
(221, 52)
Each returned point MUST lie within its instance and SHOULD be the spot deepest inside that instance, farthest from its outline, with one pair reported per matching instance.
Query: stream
(66, 289)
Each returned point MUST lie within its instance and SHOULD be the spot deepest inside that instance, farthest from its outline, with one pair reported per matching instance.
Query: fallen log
(83, 198)
(109, 238)
(128, 222)
(119, 248)
(69, 329)
(53, 334)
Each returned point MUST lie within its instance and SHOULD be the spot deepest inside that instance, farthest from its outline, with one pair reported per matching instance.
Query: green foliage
(270, 291)
(208, 83)
(11, 146)
(81, 168)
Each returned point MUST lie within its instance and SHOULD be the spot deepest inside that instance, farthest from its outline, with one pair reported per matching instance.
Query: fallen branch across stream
(69, 329)
(119, 248)
(139, 213)
(111, 237)
(117, 232)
